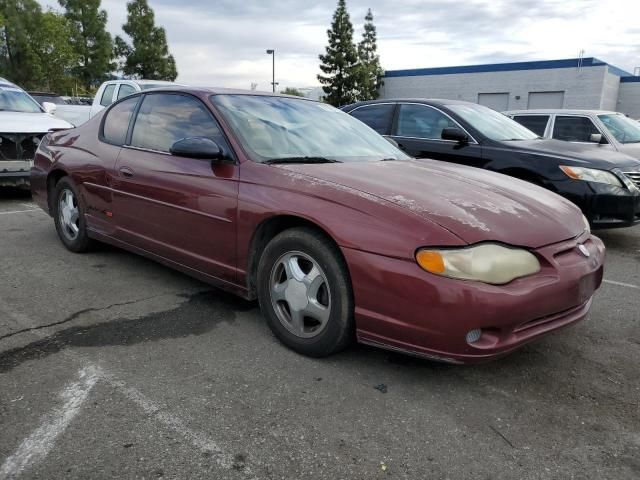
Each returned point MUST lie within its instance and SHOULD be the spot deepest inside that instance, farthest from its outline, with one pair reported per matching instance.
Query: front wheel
(68, 215)
(305, 292)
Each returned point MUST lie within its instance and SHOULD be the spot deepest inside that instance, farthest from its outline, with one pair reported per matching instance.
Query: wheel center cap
(296, 295)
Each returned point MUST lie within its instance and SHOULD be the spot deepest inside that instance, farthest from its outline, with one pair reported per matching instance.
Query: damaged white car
(23, 123)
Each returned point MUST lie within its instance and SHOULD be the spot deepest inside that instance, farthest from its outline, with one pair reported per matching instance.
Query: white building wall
(629, 99)
(583, 87)
(610, 90)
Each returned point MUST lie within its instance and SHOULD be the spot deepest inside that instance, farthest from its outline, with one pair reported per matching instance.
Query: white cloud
(223, 43)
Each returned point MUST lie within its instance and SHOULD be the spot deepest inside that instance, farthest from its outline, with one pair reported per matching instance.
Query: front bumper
(15, 173)
(402, 307)
(605, 206)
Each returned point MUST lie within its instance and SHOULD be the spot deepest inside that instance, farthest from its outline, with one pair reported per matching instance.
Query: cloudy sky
(223, 42)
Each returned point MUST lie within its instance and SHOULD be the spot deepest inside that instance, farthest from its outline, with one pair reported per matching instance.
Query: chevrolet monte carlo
(337, 233)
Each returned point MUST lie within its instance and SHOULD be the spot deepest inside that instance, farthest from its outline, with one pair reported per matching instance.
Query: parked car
(23, 122)
(113, 90)
(74, 114)
(598, 128)
(335, 231)
(604, 183)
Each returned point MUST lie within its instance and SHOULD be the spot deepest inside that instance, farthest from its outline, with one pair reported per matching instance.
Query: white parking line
(22, 458)
(21, 211)
(622, 284)
(36, 446)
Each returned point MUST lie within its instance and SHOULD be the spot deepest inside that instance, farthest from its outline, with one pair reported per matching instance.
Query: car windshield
(15, 100)
(278, 128)
(624, 129)
(492, 124)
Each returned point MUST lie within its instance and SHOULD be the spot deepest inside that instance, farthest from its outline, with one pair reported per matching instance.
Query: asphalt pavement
(113, 366)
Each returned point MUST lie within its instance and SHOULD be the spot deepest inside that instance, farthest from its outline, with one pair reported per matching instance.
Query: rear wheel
(305, 292)
(68, 215)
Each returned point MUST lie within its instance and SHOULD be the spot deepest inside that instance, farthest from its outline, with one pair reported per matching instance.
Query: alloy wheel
(69, 214)
(300, 294)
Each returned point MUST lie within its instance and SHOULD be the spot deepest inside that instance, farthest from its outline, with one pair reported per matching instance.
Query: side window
(125, 91)
(420, 121)
(536, 123)
(107, 95)
(163, 119)
(377, 117)
(116, 123)
(573, 129)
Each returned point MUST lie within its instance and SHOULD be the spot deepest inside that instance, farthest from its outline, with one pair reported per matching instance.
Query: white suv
(114, 90)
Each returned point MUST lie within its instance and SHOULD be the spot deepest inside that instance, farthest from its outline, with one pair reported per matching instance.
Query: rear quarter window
(378, 117)
(116, 122)
(107, 95)
(536, 123)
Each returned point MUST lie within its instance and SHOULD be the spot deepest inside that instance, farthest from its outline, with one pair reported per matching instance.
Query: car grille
(19, 146)
(634, 177)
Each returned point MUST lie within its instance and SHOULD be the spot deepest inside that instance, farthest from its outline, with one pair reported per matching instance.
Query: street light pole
(273, 69)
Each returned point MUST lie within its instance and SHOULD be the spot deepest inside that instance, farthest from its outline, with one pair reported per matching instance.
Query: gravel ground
(112, 366)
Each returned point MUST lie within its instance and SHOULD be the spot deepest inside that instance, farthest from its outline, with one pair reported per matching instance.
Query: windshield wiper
(301, 160)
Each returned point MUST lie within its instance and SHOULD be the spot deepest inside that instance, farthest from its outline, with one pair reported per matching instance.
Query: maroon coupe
(336, 232)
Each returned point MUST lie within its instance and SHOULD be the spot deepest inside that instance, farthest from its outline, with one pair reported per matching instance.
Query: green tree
(292, 91)
(58, 56)
(148, 54)
(19, 60)
(369, 70)
(89, 37)
(339, 64)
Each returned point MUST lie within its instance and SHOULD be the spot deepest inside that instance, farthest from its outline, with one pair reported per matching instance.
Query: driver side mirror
(454, 134)
(49, 107)
(597, 138)
(202, 148)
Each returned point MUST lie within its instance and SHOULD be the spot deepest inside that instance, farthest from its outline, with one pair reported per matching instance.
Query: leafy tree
(148, 55)
(339, 64)
(58, 57)
(369, 70)
(19, 60)
(292, 91)
(89, 37)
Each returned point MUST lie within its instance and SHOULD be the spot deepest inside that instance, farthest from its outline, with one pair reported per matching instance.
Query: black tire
(338, 331)
(80, 242)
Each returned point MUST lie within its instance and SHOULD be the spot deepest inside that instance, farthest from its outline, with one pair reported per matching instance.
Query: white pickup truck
(113, 90)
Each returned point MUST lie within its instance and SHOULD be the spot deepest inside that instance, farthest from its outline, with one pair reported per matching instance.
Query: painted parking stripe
(622, 284)
(38, 445)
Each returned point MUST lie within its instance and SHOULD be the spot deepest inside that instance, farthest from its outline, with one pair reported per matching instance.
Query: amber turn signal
(431, 261)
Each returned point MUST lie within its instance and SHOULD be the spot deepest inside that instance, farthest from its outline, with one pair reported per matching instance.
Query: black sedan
(605, 184)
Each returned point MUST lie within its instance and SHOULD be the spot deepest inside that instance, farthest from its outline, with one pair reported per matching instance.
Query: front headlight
(488, 263)
(591, 175)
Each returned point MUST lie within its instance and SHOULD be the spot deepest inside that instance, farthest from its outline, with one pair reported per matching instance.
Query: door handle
(126, 172)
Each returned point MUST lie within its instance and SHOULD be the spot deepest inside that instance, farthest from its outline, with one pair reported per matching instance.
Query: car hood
(583, 154)
(20, 122)
(475, 205)
(631, 149)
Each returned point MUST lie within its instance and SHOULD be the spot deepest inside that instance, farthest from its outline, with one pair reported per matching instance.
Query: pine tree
(19, 59)
(58, 55)
(369, 70)
(148, 55)
(339, 64)
(90, 39)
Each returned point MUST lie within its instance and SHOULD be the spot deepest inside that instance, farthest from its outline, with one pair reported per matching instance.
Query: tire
(305, 292)
(68, 215)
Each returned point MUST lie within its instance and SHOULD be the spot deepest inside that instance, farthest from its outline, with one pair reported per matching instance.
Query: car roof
(221, 91)
(548, 111)
(6, 83)
(425, 101)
